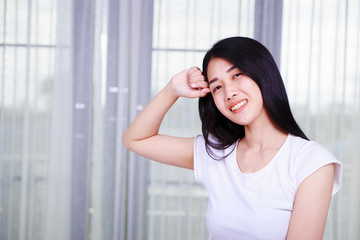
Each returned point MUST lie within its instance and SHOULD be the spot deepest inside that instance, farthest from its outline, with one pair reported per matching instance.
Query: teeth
(239, 105)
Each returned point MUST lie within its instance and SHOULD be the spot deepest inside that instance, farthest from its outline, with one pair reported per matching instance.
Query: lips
(238, 105)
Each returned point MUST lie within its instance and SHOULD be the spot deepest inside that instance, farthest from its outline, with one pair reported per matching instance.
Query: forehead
(216, 62)
(219, 66)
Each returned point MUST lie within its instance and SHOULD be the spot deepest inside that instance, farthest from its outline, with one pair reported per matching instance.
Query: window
(27, 38)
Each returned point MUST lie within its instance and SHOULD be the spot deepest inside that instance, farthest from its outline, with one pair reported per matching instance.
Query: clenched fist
(190, 83)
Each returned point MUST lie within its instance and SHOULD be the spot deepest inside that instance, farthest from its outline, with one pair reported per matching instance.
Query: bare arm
(142, 136)
(311, 205)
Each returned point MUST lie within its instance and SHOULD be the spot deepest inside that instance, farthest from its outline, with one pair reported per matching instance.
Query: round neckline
(268, 165)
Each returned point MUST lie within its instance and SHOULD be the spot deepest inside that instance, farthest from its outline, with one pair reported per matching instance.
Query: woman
(264, 178)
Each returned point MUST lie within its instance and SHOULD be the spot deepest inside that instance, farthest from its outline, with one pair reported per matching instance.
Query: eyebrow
(229, 70)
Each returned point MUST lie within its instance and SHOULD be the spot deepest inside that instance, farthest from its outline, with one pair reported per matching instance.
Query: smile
(238, 105)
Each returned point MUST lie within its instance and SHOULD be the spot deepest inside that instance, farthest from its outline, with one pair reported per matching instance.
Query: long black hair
(255, 61)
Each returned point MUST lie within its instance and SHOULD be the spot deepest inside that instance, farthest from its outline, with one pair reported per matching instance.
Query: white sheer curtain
(70, 74)
(74, 73)
(27, 50)
(57, 209)
(321, 67)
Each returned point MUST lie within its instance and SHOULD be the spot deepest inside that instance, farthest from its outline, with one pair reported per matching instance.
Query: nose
(230, 92)
(231, 96)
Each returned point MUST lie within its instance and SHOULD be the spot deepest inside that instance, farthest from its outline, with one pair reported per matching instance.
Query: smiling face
(236, 95)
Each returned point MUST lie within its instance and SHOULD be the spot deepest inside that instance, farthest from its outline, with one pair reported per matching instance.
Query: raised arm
(142, 135)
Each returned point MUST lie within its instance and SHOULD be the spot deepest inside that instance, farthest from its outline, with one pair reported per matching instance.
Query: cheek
(259, 104)
(219, 103)
(216, 101)
(260, 97)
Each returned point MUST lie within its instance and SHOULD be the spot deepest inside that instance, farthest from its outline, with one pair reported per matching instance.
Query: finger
(199, 92)
(199, 81)
(198, 78)
(204, 91)
(199, 84)
(194, 71)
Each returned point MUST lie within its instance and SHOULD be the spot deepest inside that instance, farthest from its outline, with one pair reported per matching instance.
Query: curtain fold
(82, 60)
(135, 45)
(268, 25)
(119, 178)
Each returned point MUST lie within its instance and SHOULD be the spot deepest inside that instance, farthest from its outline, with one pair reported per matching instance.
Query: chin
(240, 122)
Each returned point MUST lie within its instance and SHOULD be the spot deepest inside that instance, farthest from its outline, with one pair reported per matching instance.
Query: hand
(190, 83)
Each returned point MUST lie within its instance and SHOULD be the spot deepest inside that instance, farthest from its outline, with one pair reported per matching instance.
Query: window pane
(26, 76)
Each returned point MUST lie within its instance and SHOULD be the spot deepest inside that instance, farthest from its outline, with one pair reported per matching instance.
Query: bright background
(75, 73)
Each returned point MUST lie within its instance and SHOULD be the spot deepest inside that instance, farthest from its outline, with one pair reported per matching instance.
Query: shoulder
(200, 147)
(310, 152)
(309, 156)
(204, 156)
(305, 149)
(201, 157)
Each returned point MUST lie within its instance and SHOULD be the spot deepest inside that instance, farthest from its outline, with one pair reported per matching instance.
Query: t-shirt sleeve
(312, 157)
(200, 156)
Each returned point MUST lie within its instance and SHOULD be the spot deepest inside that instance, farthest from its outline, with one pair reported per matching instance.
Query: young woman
(264, 178)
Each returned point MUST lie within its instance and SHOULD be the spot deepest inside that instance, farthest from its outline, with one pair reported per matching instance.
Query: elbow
(129, 142)
(126, 141)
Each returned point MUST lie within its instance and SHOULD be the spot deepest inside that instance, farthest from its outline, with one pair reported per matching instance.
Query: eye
(237, 75)
(216, 88)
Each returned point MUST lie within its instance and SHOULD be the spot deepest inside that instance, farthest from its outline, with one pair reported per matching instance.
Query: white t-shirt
(257, 205)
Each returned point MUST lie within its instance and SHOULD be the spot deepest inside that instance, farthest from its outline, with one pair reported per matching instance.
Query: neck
(263, 135)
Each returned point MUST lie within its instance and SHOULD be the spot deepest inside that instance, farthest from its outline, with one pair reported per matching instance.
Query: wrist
(170, 91)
